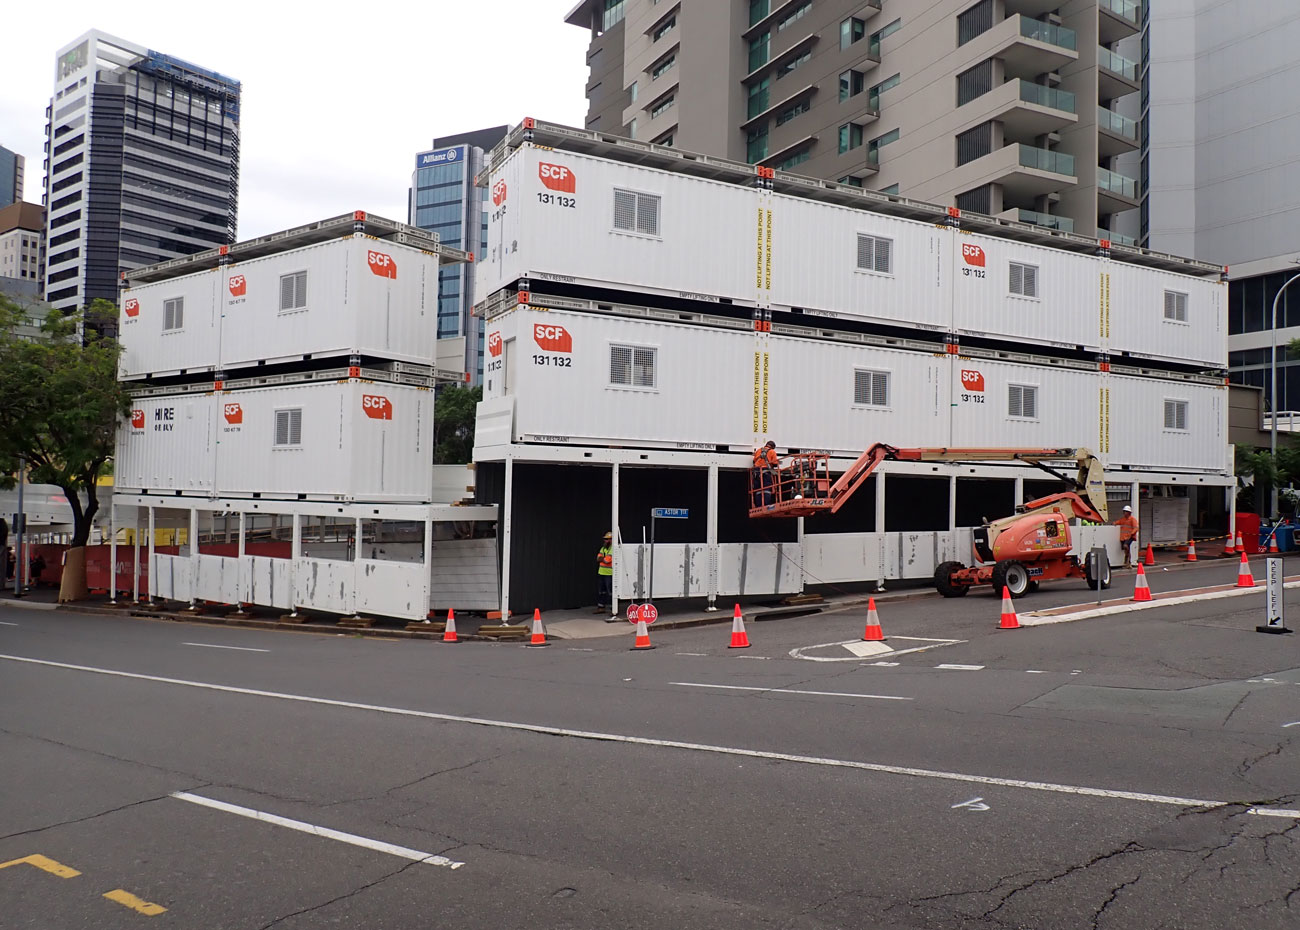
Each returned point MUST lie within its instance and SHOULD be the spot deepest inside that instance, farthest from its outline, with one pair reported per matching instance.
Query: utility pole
(20, 529)
(1275, 408)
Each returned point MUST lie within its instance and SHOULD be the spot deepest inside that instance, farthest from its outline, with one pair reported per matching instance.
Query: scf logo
(137, 419)
(552, 338)
(376, 407)
(233, 413)
(494, 344)
(972, 255)
(132, 307)
(557, 178)
(238, 285)
(971, 380)
(498, 193)
(382, 265)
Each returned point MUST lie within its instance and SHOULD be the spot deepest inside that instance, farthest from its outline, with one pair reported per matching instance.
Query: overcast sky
(337, 99)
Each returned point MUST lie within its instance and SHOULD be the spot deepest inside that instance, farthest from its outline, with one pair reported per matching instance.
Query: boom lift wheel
(1011, 575)
(1105, 574)
(943, 580)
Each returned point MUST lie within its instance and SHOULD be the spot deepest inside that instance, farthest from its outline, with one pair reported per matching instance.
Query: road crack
(95, 816)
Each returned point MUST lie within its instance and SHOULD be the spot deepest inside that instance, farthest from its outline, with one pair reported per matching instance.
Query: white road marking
(764, 658)
(975, 804)
(302, 827)
(878, 697)
(1034, 671)
(579, 649)
(878, 767)
(1295, 724)
(887, 664)
(1033, 619)
(3, 623)
(237, 648)
(691, 653)
(864, 649)
(961, 668)
(849, 644)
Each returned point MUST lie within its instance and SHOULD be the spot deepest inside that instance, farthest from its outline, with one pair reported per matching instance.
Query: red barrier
(1248, 526)
(97, 572)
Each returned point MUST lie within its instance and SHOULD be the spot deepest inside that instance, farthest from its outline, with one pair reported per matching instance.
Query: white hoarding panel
(1001, 404)
(325, 584)
(837, 261)
(348, 296)
(1025, 293)
(170, 327)
(393, 589)
(217, 579)
(171, 577)
(266, 581)
(1168, 424)
(1161, 315)
(758, 568)
(830, 558)
(167, 443)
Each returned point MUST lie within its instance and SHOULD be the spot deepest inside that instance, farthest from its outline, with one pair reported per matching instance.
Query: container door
(508, 378)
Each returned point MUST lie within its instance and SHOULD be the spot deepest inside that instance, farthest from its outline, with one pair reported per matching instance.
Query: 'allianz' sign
(440, 157)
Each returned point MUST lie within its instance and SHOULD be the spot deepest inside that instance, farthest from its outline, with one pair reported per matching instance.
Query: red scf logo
(376, 407)
(132, 307)
(137, 419)
(552, 338)
(972, 255)
(557, 178)
(498, 193)
(382, 265)
(971, 380)
(233, 413)
(494, 344)
(238, 285)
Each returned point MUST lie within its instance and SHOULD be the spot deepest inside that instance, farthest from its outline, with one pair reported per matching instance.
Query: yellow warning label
(1104, 294)
(1103, 417)
(758, 264)
(765, 393)
(767, 277)
(758, 382)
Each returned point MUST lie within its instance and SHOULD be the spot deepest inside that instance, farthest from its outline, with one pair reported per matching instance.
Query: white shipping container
(167, 443)
(1162, 315)
(354, 295)
(1171, 424)
(1014, 405)
(171, 327)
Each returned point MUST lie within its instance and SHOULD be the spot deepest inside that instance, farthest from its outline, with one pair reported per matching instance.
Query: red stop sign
(632, 611)
(648, 612)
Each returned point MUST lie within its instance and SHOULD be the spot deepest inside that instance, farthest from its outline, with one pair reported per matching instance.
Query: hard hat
(1128, 509)
(770, 444)
(609, 535)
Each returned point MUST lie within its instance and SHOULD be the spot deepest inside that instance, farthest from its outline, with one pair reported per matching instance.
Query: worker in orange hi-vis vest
(604, 575)
(1128, 533)
(766, 464)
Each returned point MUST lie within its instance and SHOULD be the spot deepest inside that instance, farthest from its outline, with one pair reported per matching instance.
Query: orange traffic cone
(1009, 619)
(1230, 549)
(1141, 592)
(739, 638)
(539, 634)
(642, 636)
(449, 636)
(1244, 578)
(873, 633)
(1272, 543)
(1241, 546)
(1150, 557)
(1191, 550)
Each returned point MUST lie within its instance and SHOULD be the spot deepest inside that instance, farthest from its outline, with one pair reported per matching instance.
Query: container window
(1022, 401)
(1024, 280)
(633, 366)
(871, 388)
(173, 313)
(293, 291)
(634, 212)
(1176, 414)
(875, 253)
(1176, 306)
(288, 427)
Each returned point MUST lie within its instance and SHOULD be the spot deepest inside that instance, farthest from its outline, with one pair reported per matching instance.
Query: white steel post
(428, 564)
(112, 552)
(153, 576)
(135, 567)
(711, 535)
(614, 540)
(356, 568)
(504, 534)
(1020, 491)
(952, 502)
(194, 556)
(880, 521)
(295, 553)
(245, 576)
(1232, 510)
(1134, 498)
(798, 538)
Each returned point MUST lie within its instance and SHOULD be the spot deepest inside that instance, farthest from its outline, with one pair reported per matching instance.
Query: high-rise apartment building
(11, 177)
(1008, 107)
(141, 164)
(444, 199)
(20, 244)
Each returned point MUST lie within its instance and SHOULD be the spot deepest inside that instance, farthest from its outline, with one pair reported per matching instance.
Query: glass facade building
(1250, 315)
(11, 177)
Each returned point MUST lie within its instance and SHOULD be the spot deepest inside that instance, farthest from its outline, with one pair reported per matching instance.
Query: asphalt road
(1120, 772)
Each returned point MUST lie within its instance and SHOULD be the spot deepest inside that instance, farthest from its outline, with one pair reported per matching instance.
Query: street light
(1273, 389)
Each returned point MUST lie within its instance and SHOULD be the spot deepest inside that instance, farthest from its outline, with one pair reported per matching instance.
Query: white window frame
(1180, 403)
(275, 428)
(1038, 281)
(659, 214)
(857, 246)
(1180, 297)
(633, 347)
(889, 389)
(1037, 406)
(173, 307)
(297, 307)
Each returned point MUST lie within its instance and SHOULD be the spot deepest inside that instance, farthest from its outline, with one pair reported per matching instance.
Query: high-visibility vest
(605, 561)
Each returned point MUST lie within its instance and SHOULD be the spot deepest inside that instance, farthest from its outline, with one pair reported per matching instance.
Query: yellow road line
(126, 899)
(45, 864)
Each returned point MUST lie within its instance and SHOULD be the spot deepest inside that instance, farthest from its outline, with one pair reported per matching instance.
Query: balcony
(1024, 109)
(1116, 75)
(1117, 19)
(1115, 238)
(1031, 8)
(1026, 46)
(1045, 220)
(1115, 192)
(1023, 171)
(1116, 133)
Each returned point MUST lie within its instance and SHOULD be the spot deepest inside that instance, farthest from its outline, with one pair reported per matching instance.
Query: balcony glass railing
(1115, 238)
(1047, 96)
(1116, 123)
(1044, 160)
(1128, 9)
(1117, 63)
(1117, 183)
(1046, 32)
(1047, 221)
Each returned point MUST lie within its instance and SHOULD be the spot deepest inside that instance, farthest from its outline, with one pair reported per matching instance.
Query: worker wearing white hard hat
(1128, 533)
(604, 574)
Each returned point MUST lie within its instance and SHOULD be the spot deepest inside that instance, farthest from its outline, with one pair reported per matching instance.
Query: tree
(60, 405)
(453, 419)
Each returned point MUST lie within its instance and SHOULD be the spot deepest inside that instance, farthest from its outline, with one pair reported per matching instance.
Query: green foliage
(453, 418)
(60, 403)
(1292, 349)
